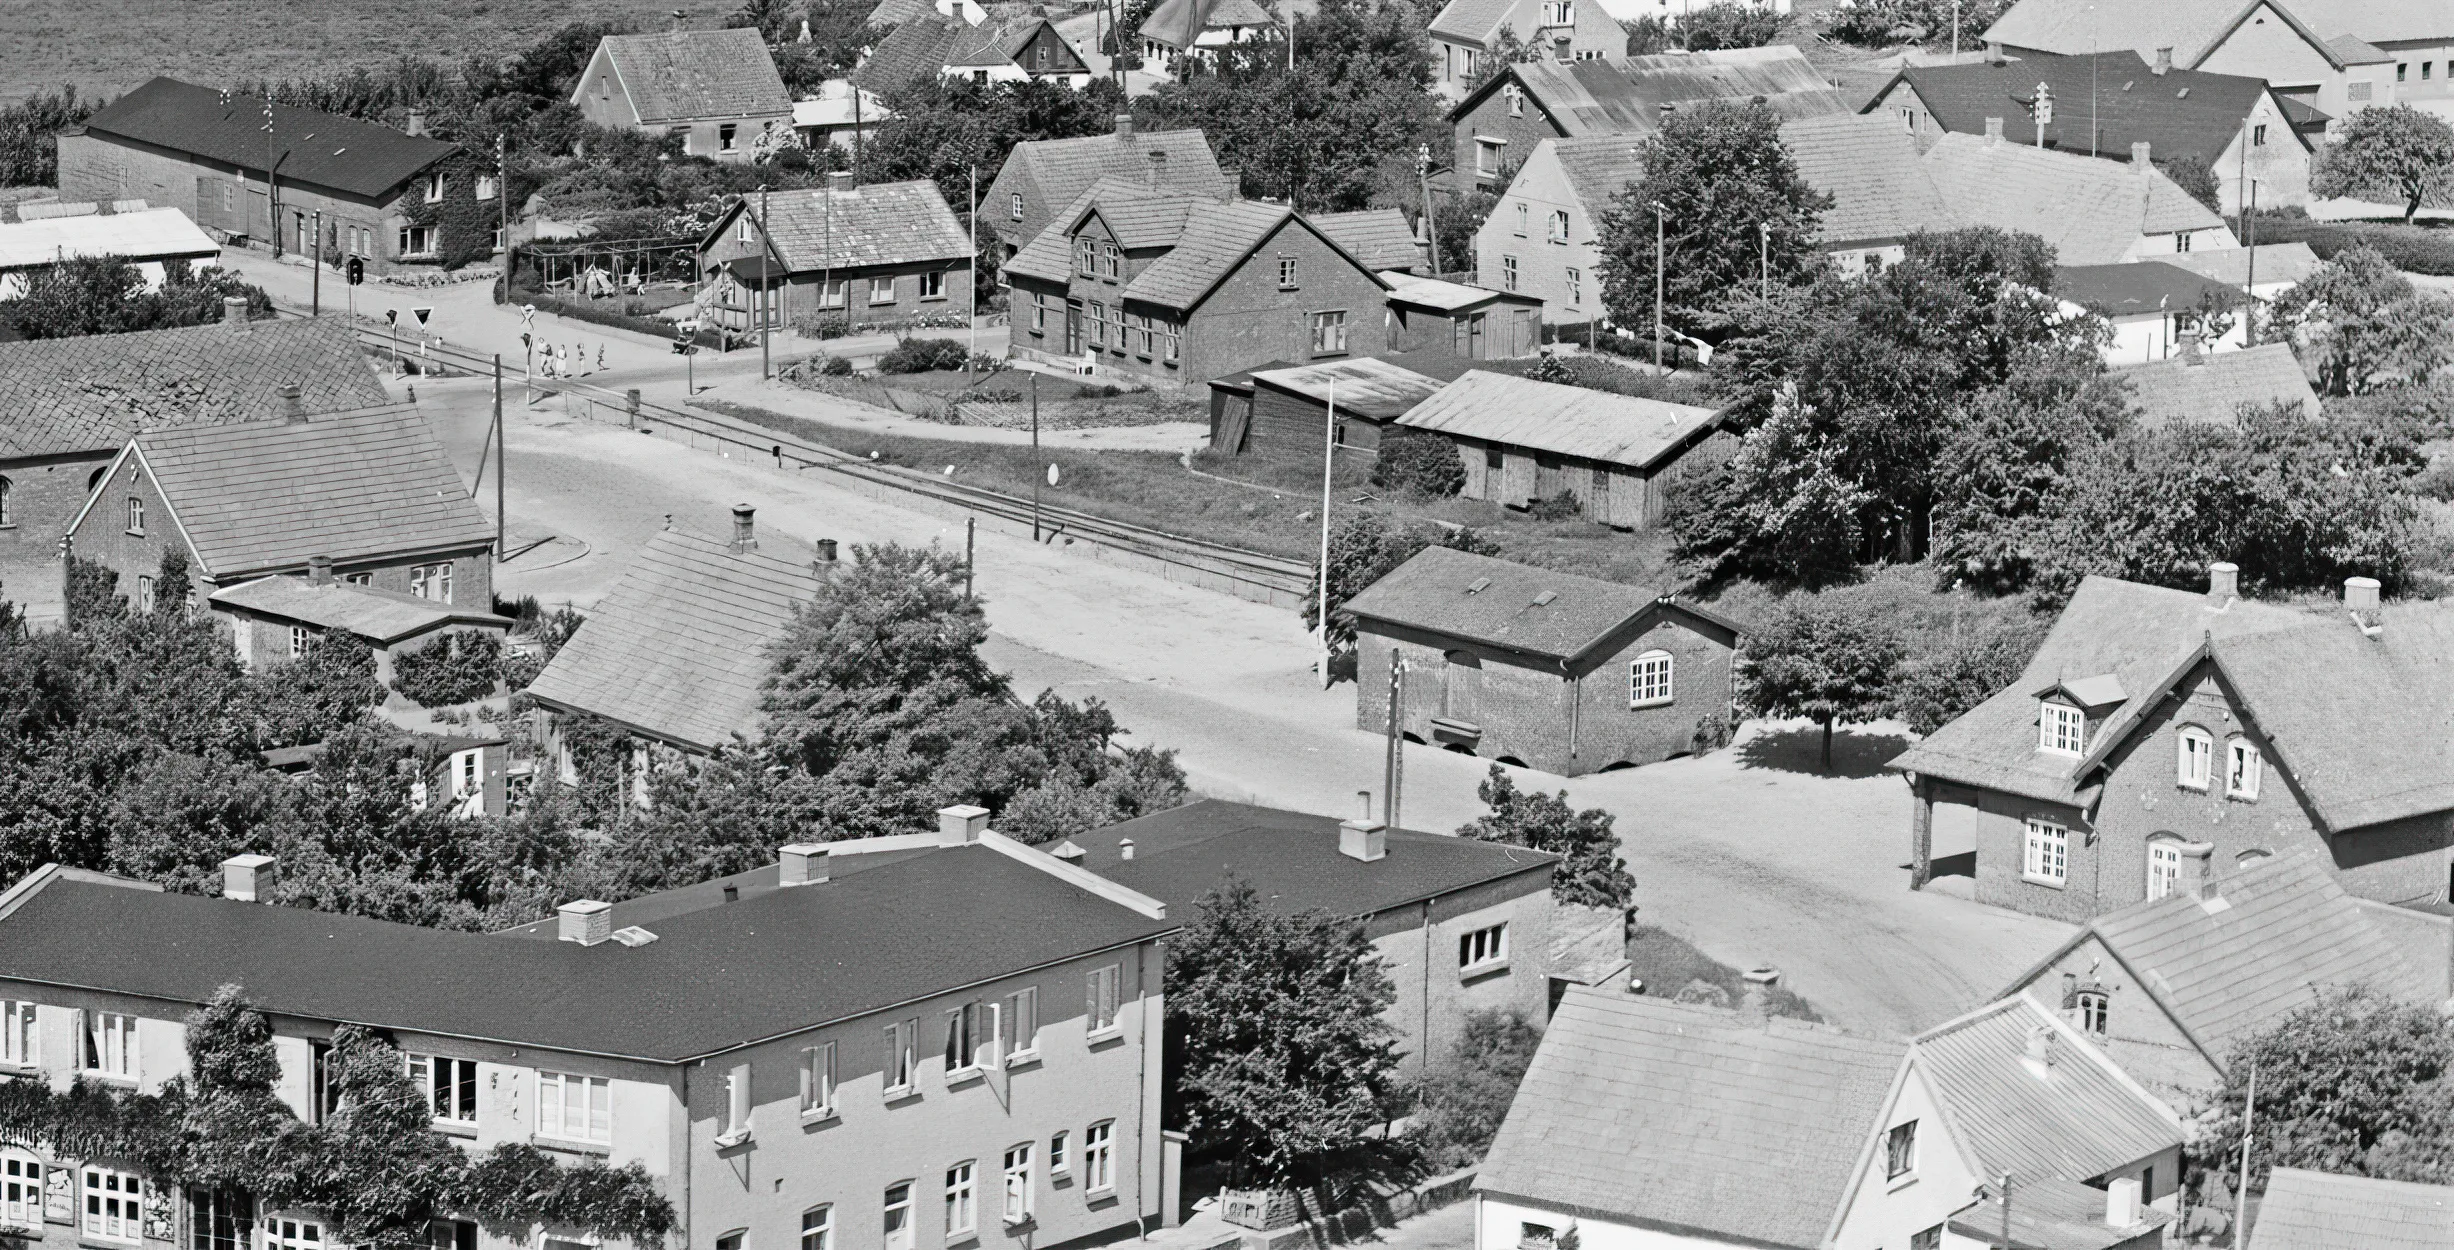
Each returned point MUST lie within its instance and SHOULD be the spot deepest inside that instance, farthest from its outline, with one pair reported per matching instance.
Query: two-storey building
(717, 90)
(1470, 37)
(1041, 177)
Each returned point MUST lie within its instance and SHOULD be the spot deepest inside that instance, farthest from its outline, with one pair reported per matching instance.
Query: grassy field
(109, 46)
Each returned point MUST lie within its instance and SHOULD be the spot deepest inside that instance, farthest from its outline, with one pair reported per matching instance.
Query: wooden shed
(1522, 440)
(1287, 409)
(1472, 322)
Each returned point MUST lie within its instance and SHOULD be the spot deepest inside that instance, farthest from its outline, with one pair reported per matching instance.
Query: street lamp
(1660, 214)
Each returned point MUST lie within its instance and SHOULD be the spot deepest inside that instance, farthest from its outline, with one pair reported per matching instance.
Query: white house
(1177, 29)
(2159, 311)
(1544, 239)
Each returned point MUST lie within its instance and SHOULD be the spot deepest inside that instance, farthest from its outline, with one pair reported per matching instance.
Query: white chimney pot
(585, 921)
(961, 824)
(2122, 1202)
(1366, 840)
(802, 863)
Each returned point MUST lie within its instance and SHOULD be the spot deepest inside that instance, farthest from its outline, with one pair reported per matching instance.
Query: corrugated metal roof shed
(1567, 420)
(1364, 386)
(1442, 296)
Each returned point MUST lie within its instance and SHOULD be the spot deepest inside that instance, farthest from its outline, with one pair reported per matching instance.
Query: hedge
(2413, 249)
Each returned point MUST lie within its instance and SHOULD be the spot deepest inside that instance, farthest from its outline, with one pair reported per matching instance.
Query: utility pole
(1393, 778)
(2044, 113)
(2249, 284)
(766, 308)
(1659, 214)
(1035, 455)
(502, 194)
(499, 465)
(2240, 1197)
(971, 277)
(1329, 460)
(1955, 32)
(1431, 231)
(315, 270)
(971, 539)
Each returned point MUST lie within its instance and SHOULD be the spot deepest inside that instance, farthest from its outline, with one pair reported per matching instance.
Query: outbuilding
(1287, 410)
(1470, 322)
(1523, 440)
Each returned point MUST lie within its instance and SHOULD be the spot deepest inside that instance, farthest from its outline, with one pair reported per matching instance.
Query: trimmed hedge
(2413, 249)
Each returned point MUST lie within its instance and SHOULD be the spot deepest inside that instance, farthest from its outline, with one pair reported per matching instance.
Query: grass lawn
(1671, 968)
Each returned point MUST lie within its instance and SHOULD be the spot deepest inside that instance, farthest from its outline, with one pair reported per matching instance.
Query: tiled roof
(897, 12)
(688, 75)
(1050, 253)
(678, 648)
(2354, 50)
(93, 392)
(886, 223)
(1502, 603)
(1365, 385)
(2180, 113)
(1598, 167)
(1379, 237)
(1624, 94)
(1216, 238)
(2287, 263)
(1292, 858)
(2191, 28)
(2053, 1213)
(994, 42)
(1474, 21)
(1065, 168)
(2137, 288)
(2092, 212)
(1177, 22)
(1690, 1118)
(2075, 1115)
(2305, 1210)
(271, 494)
(325, 149)
(1869, 166)
(380, 616)
(2214, 388)
(914, 53)
(1568, 420)
(153, 234)
(715, 978)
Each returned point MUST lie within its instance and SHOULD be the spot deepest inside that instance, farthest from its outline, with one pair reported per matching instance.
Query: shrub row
(2413, 249)
(609, 315)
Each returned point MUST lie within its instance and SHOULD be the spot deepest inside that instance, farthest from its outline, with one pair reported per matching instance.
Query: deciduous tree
(1822, 658)
(1589, 873)
(2398, 154)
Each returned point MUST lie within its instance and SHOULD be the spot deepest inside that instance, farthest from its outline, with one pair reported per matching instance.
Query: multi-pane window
(1558, 229)
(933, 284)
(144, 594)
(1111, 261)
(971, 1037)
(882, 290)
(1057, 1159)
(962, 1200)
(451, 1086)
(220, 1219)
(1099, 324)
(1039, 313)
(1515, 98)
(1022, 1022)
(818, 1079)
(2196, 749)
(2241, 768)
(1576, 285)
(1522, 213)
(1558, 13)
(2047, 856)
(2163, 867)
(21, 1191)
(1175, 342)
(136, 514)
(434, 188)
(1328, 332)
(1649, 679)
(1018, 1197)
(6, 517)
(2061, 728)
(1286, 271)
(1099, 1156)
(1927, 1239)
(110, 1044)
(2258, 136)
(301, 638)
(574, 1108)
(902, 1054)
(1014, 209)
(1900, 1150)
(2094, 1007)
(1086, 257)
(1508, 273)
(898, 1222)
(293, 1235)
(487, 187)
(17, 1034)
(725, 135)
(818, 1228)
(452, 1235)
(1482, 948)
(431, 581)
(115, 1205)
(1103, 987)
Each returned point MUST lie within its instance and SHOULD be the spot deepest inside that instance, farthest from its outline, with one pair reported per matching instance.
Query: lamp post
(766, 310)
(1660, 215)
(315, 270)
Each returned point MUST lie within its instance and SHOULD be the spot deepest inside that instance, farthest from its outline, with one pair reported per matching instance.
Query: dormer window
(1558, 13)
(2061, 728)
(1516, 100)
(2093, 1007)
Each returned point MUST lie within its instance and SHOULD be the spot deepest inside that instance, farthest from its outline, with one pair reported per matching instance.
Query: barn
(1285, 410)
(1522, 440)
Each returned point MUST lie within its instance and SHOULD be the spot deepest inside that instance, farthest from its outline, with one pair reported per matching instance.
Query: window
(2241, 769)
(882, 290)
(324, 1092)
(1286, 272)
(1576, 286)
(1099, 1156)
(1558, 231)
(971, 1038)
(115, 1205)
(1908, 117)
(2181, 241)
(431, 581)
(1900, 1150)
(2402, 71)
(1508, 273)
(1522, 212)
(736, 1107)
(301, 638)
(1516, 100)
(1104, 984)
(2258, 135)
(1057, 1162)
(1928, 1239)
(833, 292)
(110, 1044)
(818, 1228)
(2426, 68)
(1039, 313)
(574, 1108)
(1648, 679)
(724, 136)
(741, 228)
(21, 1191)
(2163, 867)
(1558, 13)
(1018, 1183)
(144, 594)
(7, 518)
(1099, 324)
(452, 1235)
(1085, 257)
(1486, 151)
(818, 1080)
(451, 1083)
(357, 579)
(1014, 207)
(1022, 1023)
(726, 1241)
(1328, 332)
(136, 515)
(2093, 1008)
(1111, 261)
(962, 1206)
(2047, 861)
(933, 284)
(2357, 91)
(2197, 752)
(434, 188)
(487, 187)
(902, 1056)
(899, 1216)
(468, 772)
(2060, 728)
(17, 1035)
(1174, 344)
(1483, 948)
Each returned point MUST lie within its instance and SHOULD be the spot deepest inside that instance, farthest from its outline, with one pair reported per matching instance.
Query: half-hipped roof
(2093, 212)
(1567, 420)
(697, 75)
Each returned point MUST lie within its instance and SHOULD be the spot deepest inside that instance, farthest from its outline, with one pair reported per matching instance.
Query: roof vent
(2182, 94)
(802, 863)
(1544, 599)
(1069, 851)
(1366, 840)
(633, 935)
(961, 824)
(248, 878)
(1478, 586)
(585, 921)
(1124, 848)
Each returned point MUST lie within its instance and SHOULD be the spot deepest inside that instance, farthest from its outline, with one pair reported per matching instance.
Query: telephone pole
(1393, 778)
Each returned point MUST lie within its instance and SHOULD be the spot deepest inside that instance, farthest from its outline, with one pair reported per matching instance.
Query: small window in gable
(1649, 679)
(2061, 728)
(2241, 768)
(2196, 749)
(2094, 1008)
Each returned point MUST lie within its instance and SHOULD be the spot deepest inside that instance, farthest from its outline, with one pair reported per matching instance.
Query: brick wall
(1249, 319)
(106, 538)
(1489, 119)
(44, 495)
(954, 277)
(1418, 950)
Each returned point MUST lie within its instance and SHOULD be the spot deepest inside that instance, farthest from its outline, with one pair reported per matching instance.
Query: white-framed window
(1486, 151)
(1900, 1150)
(1175, 340)
(2163, 867)
(1097, 325)
(833, 292)
(301, 638)
(2258, 136)
(933, 284)
(882, 290)
(971, 1038)
(1086, 257)
(1111, 261)
(431, 581)
(136, 514)
(902, 1056)
(110, 1045)
(818, 1080)
(724, 1241)
(434, 188)
(144, 594)
(2242, 764)
(1328, 332)
(1018, 1196)
(1099, 1156)
(1286, 271)
(1649, 679)
(2061, 728)
(416, 240)
(1104, 989)
(1516, 100)
(724, 136)
(2181, 241)
(17, 1037)
(1014, 208)
(962, 1200)
(2094, 1009)
(1576, 286)
(21, 1190)
(1557, 230)
(1523, 214)
(7, 518)
(736, 1107)
(451, 1086)
(1483, 948)
(1927, 1239)
(2195, 748)
(468, 772)
(818, 1228)
(574, 1108)
(2046, 860)
(487, 187)
(1021, 1023)
(1558, 13)
(1508, 273)
(115, 1205)
(898, 1216)
(1039, 312)
(1058, 1161)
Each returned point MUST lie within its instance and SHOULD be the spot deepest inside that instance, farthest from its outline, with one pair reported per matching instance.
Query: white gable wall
(1542, 266)
(1500, 1224)
(1883, 1212)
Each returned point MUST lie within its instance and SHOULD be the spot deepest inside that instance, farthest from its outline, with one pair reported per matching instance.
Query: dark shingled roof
(1598, 167)
(1216, 238)
(1379, 237)
(2215, 387)
(687, 75)
(895, 12)
(2092, 212)
(1292, 858)
(92, 393)
(713, 980)
(1436, 591)
(2137, 288)
(914, 53)
(678, 648)
(2305, 1210)
(268, 495)
(325, 149)
(1690, 1117)
(887, 223)
(1624, 94)
(1065, 168)
(999, 41)
(2182, 113)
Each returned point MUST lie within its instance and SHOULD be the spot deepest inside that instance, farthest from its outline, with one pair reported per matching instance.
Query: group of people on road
(567, 360)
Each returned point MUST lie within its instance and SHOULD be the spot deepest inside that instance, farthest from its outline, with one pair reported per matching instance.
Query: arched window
(2254, 855)
(7, 516)
(21, 1191)
(2163, 865)
(2093, 1008)
(2196, 763)
(2242, 764)
(1649, 680)
(818, 1228)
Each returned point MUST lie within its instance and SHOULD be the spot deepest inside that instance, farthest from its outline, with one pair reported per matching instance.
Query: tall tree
(2338, 1079)
(2366, 323)
(1824, 658)
(2398, 154)
(1589, 873)
(2006, 456)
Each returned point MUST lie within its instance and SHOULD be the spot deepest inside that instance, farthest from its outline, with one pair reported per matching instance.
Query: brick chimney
(2164, 61)
(293, 406)
(826, 553)
(2139, 158)
(1993, 132)
(802, 863)
(417, 122)
(234, 312)
(1755, 996)
(2223, 582)
(585, 921)
(1158, 169)
(1124, 127)
(319, 570)
(841, 180)
(745, 530)
(248, 878)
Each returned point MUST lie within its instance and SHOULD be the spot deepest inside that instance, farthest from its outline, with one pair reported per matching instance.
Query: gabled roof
(2305, 1210)
(2179, 113)
(1624, 94)
(1216, 239)
(1568, 420)
(269, 495)
(693, 75)
(1597, 167)
(1140, 217)
(150, 234)
(2191, 28)
(326, 149)
(1869, 166)
(678, 648)
(886, 223)
(2092, 212)
(93, 392)
(2137, 288)
(1364, 385)
(2214, 387)
(2074, 1115)
(995, 42)
(1541, 615)
(1379, 237)
(915, 52)
(2354, 50)
(1690, 1119)
(382, 617)
(2285, 263)
(1065, 168)
(1408, 290)
(1475, 21)
(1177, 23)
(895, 12)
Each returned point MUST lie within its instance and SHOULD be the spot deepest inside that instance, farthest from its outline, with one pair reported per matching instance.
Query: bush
(1418, 463)
(821, 325)
(1563, 506)
(1883, 23)
(835, 366)
(581, 310)
(461, 665)
(1459, 1104)
(1724, 24)
(517, 668)
(923, 356)
(2412, 249)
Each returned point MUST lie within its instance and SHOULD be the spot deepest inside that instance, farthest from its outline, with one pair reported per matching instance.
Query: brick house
(1172, 289)
(976, 1074)
(1466, 36)
(2093, 212)
(1041, 177)
(1497, 125)
(1379, 237)
(1521, 440)
(1541, 669)
(2154, 720)
(368, 494)
(74, 403)
(397, 198)
(717, 89)
(1020, 48)
(881, 255)
(1429, 316)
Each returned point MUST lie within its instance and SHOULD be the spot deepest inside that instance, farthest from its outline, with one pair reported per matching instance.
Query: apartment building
(937, 1040)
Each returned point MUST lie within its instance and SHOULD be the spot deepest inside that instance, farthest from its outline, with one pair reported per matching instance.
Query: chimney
(1755, 997)
(826, 552)
(2041, 1045)
(841, 180)
(2223, 582)
(293, 408)
(1124, 126)
(417, 122)
(585, 921)
(2139, 157)
(802, 863)
(2164, 61)
(2122, 1202)
(1158, 169)
(247, 878)
(319, 570)
(961, 824)
(234, 311)
(745, 532)
(1124, 848)
(1366, 840)
(1993, 131)
(2070, 990)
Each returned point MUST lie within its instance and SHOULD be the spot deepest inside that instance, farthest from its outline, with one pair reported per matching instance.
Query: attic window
(1544, 599)
(2182, 94)
(2061, 728)
(1480, 585)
